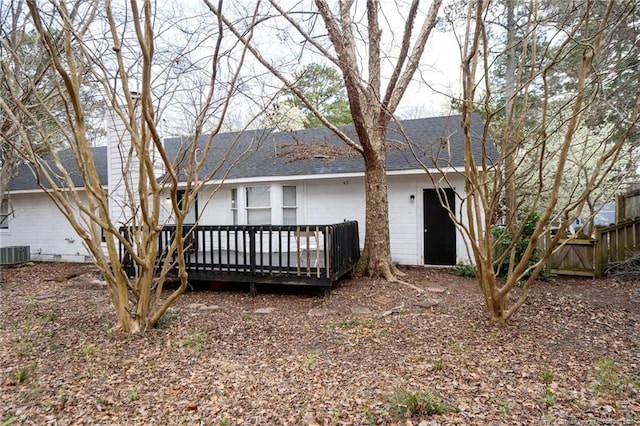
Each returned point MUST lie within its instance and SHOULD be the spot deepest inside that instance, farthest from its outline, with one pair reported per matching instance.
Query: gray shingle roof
(269, 153)
(25, 179)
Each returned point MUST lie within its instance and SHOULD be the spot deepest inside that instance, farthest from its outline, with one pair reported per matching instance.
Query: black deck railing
(286, 254)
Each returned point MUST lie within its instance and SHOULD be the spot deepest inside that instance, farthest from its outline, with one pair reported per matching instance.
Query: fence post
(620, 208)
(597, 254)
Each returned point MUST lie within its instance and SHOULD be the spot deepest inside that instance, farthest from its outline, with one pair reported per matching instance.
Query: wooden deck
(313, 255)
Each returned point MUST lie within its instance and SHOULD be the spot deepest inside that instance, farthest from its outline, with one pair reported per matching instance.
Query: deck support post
(252, 250)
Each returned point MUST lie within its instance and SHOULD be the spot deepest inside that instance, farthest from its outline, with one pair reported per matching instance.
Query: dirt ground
(223, 357)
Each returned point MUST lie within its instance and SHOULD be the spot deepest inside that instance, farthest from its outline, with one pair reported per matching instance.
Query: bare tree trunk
(371, 107)
(376, 259)
(120, 299)
(539, 133)
(137, 201)
(10, 163)
(495, 303)
(510, 136)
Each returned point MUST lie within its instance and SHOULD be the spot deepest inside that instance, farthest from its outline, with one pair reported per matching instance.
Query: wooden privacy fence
(628, 206)
(573, 257)
(616, 243)
(591, 257)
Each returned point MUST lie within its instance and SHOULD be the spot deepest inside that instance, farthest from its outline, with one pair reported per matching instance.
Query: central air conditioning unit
(14, 255)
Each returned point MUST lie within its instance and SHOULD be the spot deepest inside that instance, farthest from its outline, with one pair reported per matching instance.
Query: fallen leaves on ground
(294, 357)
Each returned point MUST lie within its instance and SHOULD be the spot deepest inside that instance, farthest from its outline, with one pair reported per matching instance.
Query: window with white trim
(289, 205)
(234, 206)
(4, 213)
(258, 199)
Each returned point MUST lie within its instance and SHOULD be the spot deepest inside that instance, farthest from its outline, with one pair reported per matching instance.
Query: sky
(438, 76)
(442, 62)
(429, 94)
(439, 72)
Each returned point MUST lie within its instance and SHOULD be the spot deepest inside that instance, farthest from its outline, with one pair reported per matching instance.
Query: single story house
(285, 178)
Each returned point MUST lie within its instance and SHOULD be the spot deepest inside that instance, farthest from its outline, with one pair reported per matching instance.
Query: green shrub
(87, 351)
(465, 270)
(607, 380)
(547, 376)
(164, 321)
(48, 317)
(196, 342)
(503, 238)
(24, 374)
(406, 404)
(549, 398)
(352, 323)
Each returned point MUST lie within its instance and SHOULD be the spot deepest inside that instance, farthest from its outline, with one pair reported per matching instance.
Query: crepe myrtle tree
(21, 60)
(24, 65)
(541, 137)
(376, 72)
(144, 64)
(551, 147)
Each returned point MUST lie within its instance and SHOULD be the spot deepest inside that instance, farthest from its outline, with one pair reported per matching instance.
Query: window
(4, 214)
(192, 215)
(258, 205)
(289, 206)
(234, 205)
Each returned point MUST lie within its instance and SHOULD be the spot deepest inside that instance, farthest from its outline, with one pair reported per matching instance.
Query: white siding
(463, 254)
(123, 171)
(36, 222)
(118, 160)
(214, 208)
(404, 219)
(333, 201)
(327, 201)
